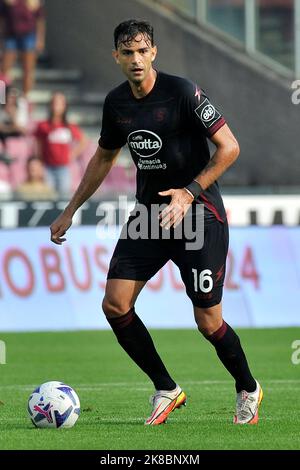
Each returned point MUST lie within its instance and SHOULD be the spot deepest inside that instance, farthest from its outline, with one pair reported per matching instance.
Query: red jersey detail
(198, 93)
(213, 129)
(211, 207)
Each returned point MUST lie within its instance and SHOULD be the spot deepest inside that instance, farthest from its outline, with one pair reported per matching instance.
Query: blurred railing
(269, 29)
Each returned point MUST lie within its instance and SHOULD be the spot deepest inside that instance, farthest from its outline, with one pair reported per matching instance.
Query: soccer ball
(53, 405)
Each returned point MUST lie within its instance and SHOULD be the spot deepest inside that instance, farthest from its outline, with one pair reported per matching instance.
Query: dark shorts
(202, 270)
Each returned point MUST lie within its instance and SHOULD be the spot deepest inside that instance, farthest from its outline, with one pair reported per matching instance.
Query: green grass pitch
(114, 393)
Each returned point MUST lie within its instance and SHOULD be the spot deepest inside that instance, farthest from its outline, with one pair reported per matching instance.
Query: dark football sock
(135, 339)
(231, 354)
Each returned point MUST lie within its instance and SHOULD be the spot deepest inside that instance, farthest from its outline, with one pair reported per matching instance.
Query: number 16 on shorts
(203, 281)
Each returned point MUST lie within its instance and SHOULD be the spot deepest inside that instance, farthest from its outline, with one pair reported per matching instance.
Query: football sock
(135, 339)
(231, 354)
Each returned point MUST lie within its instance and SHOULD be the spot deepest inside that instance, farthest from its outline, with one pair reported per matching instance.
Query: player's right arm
(96, 171)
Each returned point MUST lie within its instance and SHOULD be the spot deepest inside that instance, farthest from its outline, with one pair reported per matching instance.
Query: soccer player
(166, 121)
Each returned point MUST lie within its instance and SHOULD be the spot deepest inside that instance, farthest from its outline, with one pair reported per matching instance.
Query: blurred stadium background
(246, 55)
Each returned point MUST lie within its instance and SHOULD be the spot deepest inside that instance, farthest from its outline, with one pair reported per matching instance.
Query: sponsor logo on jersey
(144, 143)
(155, 164)
(207, 113)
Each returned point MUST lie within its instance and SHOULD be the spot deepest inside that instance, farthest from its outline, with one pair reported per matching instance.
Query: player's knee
(208, 319)
(206, 330)
(208, 325)
(113, 307)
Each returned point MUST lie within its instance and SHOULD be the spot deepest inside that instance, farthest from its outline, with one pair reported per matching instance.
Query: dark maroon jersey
(166, 132)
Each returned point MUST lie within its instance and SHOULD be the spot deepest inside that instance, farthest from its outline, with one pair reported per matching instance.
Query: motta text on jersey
(144, 143)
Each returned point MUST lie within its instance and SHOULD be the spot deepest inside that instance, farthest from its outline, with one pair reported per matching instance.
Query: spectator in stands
(23, 26)
(13, 121)
(35, 186)
(56, 146)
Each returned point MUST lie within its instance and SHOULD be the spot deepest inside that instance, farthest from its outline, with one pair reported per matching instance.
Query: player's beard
(137, 80)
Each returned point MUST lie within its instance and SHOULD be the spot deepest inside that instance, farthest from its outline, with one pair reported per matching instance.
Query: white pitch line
(143, 386)
(130, 419)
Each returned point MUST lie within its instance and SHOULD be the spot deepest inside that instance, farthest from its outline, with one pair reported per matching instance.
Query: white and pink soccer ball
(54, 405)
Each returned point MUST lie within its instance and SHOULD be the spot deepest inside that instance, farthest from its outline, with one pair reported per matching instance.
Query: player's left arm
(225, 155)
(200, 112)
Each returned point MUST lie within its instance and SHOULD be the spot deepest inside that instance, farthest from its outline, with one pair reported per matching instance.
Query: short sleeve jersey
(166, 132)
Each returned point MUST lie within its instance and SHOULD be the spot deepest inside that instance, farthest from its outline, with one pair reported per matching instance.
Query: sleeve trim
(212, 130)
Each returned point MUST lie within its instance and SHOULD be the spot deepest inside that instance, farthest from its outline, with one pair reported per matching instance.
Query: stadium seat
(4, 173)
(19, 149)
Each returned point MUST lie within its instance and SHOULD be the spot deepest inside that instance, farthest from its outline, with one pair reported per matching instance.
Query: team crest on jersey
(207, 113)
(160, 114)
(144, 143)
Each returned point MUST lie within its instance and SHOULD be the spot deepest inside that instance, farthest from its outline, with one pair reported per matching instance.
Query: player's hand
(180, 203)
(59, 228)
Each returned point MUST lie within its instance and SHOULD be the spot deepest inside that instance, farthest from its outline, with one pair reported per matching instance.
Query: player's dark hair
(127, 31)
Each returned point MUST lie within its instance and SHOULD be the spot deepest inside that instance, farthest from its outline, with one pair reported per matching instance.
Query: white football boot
(247, 405)
(163, 403)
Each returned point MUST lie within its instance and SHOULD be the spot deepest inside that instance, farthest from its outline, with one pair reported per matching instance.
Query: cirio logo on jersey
(144, 143)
